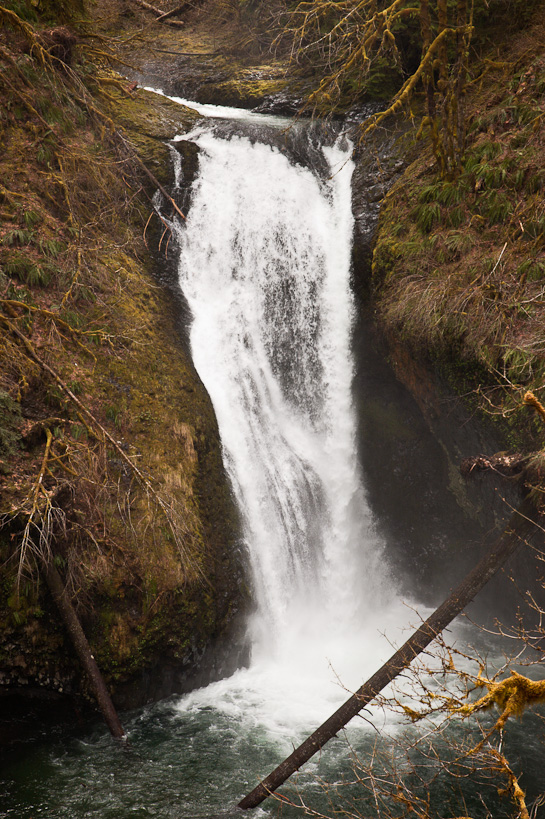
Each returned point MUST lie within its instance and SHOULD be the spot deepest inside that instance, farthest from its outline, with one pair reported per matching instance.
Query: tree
(354, 43)
(452, 755)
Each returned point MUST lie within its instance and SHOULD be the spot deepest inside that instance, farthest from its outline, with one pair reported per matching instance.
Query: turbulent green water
(199, 763)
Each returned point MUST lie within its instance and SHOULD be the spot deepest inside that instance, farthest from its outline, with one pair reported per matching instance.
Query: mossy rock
(243, 91)
(150, 120)
(153, 115)
(145, 596)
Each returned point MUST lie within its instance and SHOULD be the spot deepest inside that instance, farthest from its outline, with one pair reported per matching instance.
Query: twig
(158, 13)
(171, 13)
(38, 487)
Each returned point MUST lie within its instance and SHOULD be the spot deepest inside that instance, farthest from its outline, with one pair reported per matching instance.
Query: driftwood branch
(519, 527)
(160, 15)
(506, 464)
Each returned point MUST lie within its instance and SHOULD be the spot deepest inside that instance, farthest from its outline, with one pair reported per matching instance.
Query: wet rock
(379, 162)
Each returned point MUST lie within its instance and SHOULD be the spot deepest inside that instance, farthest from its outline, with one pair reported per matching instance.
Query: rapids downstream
(264, 264)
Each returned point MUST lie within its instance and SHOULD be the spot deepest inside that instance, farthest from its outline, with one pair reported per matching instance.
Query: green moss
(141, 597)
(243, 87)
(150, 120)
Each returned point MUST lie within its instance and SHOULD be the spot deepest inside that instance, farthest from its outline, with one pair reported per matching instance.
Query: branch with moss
(512, 696)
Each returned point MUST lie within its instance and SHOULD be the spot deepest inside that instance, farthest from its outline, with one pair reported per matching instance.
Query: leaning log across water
(520, 526)
(80, 643)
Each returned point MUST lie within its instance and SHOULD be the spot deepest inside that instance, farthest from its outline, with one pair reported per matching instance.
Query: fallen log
(520, 526)
(160, 14)
(83, 649)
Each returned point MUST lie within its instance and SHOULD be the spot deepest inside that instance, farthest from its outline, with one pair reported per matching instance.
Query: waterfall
(265, 267)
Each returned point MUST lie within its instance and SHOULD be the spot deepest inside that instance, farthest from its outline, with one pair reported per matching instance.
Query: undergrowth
(459, 266)
(83, 480)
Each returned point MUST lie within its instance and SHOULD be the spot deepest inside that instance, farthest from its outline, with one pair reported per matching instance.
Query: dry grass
(71, 283)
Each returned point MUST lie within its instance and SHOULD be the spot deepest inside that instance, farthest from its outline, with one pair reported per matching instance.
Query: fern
(17, 236)
(37, 276)
(427, 216)
(499, 211)
(458, 241)
(72, 318)
(490, 176)
(518, 365)
(487, 150)
(523, 114)
(456, 217)
(535, 181)
(17, 266)
(77, 431)
(51, 247)
(532, 270)
(534, 229)
(31, 218)
(430, 193)
(517, 178)
(453, 193)
(43, 155)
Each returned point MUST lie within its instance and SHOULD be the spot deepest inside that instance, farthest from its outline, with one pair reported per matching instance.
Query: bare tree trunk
(79, 641)
(425, 30)
(520, 526)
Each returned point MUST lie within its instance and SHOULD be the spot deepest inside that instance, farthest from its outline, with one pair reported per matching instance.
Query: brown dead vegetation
(89, 382)
(460, 265)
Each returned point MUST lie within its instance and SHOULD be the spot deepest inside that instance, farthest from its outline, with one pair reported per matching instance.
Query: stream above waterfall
(265, 267)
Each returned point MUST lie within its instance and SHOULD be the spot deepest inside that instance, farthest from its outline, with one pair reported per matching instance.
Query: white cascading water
(265, 267)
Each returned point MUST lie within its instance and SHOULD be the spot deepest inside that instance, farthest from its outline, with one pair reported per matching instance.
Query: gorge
(350, 512)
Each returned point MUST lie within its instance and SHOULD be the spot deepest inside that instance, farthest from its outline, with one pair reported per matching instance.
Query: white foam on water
(225, 111)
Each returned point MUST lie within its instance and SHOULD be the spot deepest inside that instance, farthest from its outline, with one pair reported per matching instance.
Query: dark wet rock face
(213, 80)
(379, 162)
